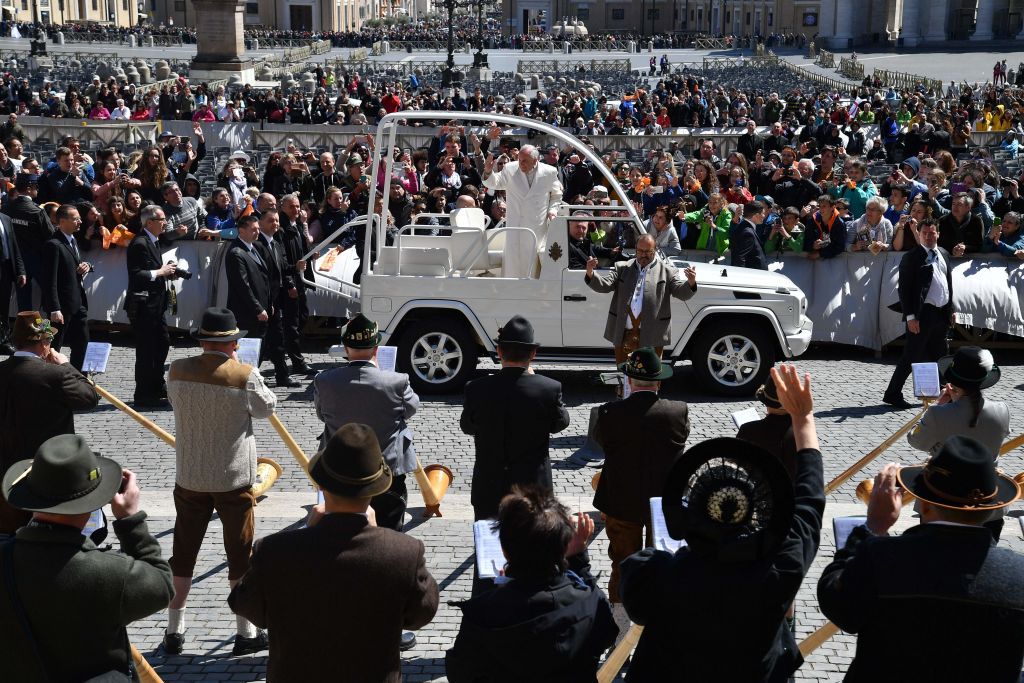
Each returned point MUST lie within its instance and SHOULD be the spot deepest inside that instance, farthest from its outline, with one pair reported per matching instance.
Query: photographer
(145, 303)
(185, 215)
(295, 173)
(65, 183)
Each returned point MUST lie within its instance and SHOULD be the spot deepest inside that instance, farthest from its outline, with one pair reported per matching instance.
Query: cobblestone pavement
(847, 383)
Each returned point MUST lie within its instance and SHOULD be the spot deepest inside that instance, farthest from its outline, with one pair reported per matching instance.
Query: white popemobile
(440, 299)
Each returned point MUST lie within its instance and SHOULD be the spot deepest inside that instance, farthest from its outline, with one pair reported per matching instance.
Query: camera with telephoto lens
(181, 272)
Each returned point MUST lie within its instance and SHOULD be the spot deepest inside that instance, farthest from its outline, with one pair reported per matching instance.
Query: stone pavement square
(851, 421)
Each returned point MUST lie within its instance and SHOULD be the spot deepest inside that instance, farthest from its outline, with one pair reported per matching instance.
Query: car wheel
(438, 355)
(731, 360)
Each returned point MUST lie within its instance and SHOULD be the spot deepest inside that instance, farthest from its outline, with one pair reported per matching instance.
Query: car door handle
(574, 297)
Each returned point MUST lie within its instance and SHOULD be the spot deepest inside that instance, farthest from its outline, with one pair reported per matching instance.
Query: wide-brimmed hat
(646, 365)
(31, 326)
(961, 476)
(65, 478)
(516, 332)
(729, 499)
(361, 333)
(971, 367)
(239, 154)
(351, 463)
(218, 325)
(768, 393)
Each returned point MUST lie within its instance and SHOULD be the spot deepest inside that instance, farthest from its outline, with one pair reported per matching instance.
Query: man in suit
(338, 594)
(641, 436)
(145, 303)
(12, 273)
(534, 195)
(932, 588)
(750, 143)
(39, 394)
(511, 414)
(360, 392)
(640, 312)
(272, 252)
(55, 567)
(746, 248)
(64, 296)
(926, 301)
(249, 282)
(294, 309)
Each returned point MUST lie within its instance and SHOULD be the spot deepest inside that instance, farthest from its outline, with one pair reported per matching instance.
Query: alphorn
(610, 669)
(1014, 443)
(146, 672)
(809, 644)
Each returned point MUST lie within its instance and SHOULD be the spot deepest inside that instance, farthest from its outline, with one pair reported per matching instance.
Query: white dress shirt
(938, 291)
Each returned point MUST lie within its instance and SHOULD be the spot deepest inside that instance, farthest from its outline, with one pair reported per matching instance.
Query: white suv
(440, 299)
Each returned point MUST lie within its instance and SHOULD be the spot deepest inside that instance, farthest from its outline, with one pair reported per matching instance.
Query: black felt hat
(646, 365)
(730, 499)
(351, 464)
(64, 478)
(516, 332)
(768, 393)
(218, 325)
(970, 367)
(961, 476)
(361, 333)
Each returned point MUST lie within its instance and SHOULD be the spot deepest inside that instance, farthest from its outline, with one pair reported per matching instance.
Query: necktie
(74, 248)
(934, 256)
(5, 251)
(256, 254)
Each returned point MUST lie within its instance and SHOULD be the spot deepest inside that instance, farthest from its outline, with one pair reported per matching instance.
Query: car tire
(438, 355)
(732, 358)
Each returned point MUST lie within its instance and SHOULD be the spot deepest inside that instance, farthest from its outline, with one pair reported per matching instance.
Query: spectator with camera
(66, 182)
(185, 215)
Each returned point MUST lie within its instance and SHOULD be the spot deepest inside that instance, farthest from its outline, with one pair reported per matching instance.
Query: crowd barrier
(848, 296)
(898, 79)
(543, 67)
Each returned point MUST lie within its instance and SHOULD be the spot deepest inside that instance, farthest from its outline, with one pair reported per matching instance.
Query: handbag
(115, 676)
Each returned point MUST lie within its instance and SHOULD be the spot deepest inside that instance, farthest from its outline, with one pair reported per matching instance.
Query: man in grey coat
(640, 312)
(361, 392)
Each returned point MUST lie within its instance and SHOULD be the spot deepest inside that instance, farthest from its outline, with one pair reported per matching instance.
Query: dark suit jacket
(641, 436)
(952, 600)
(774, 433)
(59, 573)
(62, 287)
(746, 249)
(37, 400)
(510, 415)
(17, 265)
(916, 278)
(336, 597)
(273, 255)
(692, 606)
(143, 293)
(248, 285)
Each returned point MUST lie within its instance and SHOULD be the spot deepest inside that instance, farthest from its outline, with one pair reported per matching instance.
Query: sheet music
(490, 560)
(662, 540)
(842, 526)
(249, 351)
(387, 357)
(96, 356)
(96, 519)
(926, 380)
(626, 389)
(742, 417)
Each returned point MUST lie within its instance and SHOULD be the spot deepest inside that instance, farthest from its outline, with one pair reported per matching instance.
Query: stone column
(220, 44)
(1000, 13)
(826, 22)
(986, 15)
(844, 24)
(936, 14)
(879, 18)
(910, 29)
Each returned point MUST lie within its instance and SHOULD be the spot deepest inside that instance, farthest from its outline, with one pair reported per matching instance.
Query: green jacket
(775, 244)
(79, 599)
(721, 227)
(857, 197)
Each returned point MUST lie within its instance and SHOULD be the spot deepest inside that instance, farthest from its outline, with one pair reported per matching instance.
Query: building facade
(115, 12)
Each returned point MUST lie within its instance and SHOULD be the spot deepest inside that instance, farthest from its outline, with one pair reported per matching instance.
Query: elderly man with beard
(534, 196)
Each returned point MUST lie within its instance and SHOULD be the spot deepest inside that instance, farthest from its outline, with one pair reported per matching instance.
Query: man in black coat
(67, 183)
(510, 415)
(12, 273)
(750, 143)
(943, 590)
(926, 301)
(146, 302)
(641, 436)
(715, 610)
(294, 309)
(249, 292)
(64, 296)
(746, 249)
(272, 252)
(773, 432)
(582, 248)
(32, 229)
(39, 394)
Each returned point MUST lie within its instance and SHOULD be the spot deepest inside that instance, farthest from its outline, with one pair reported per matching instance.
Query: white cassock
(527, 207)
